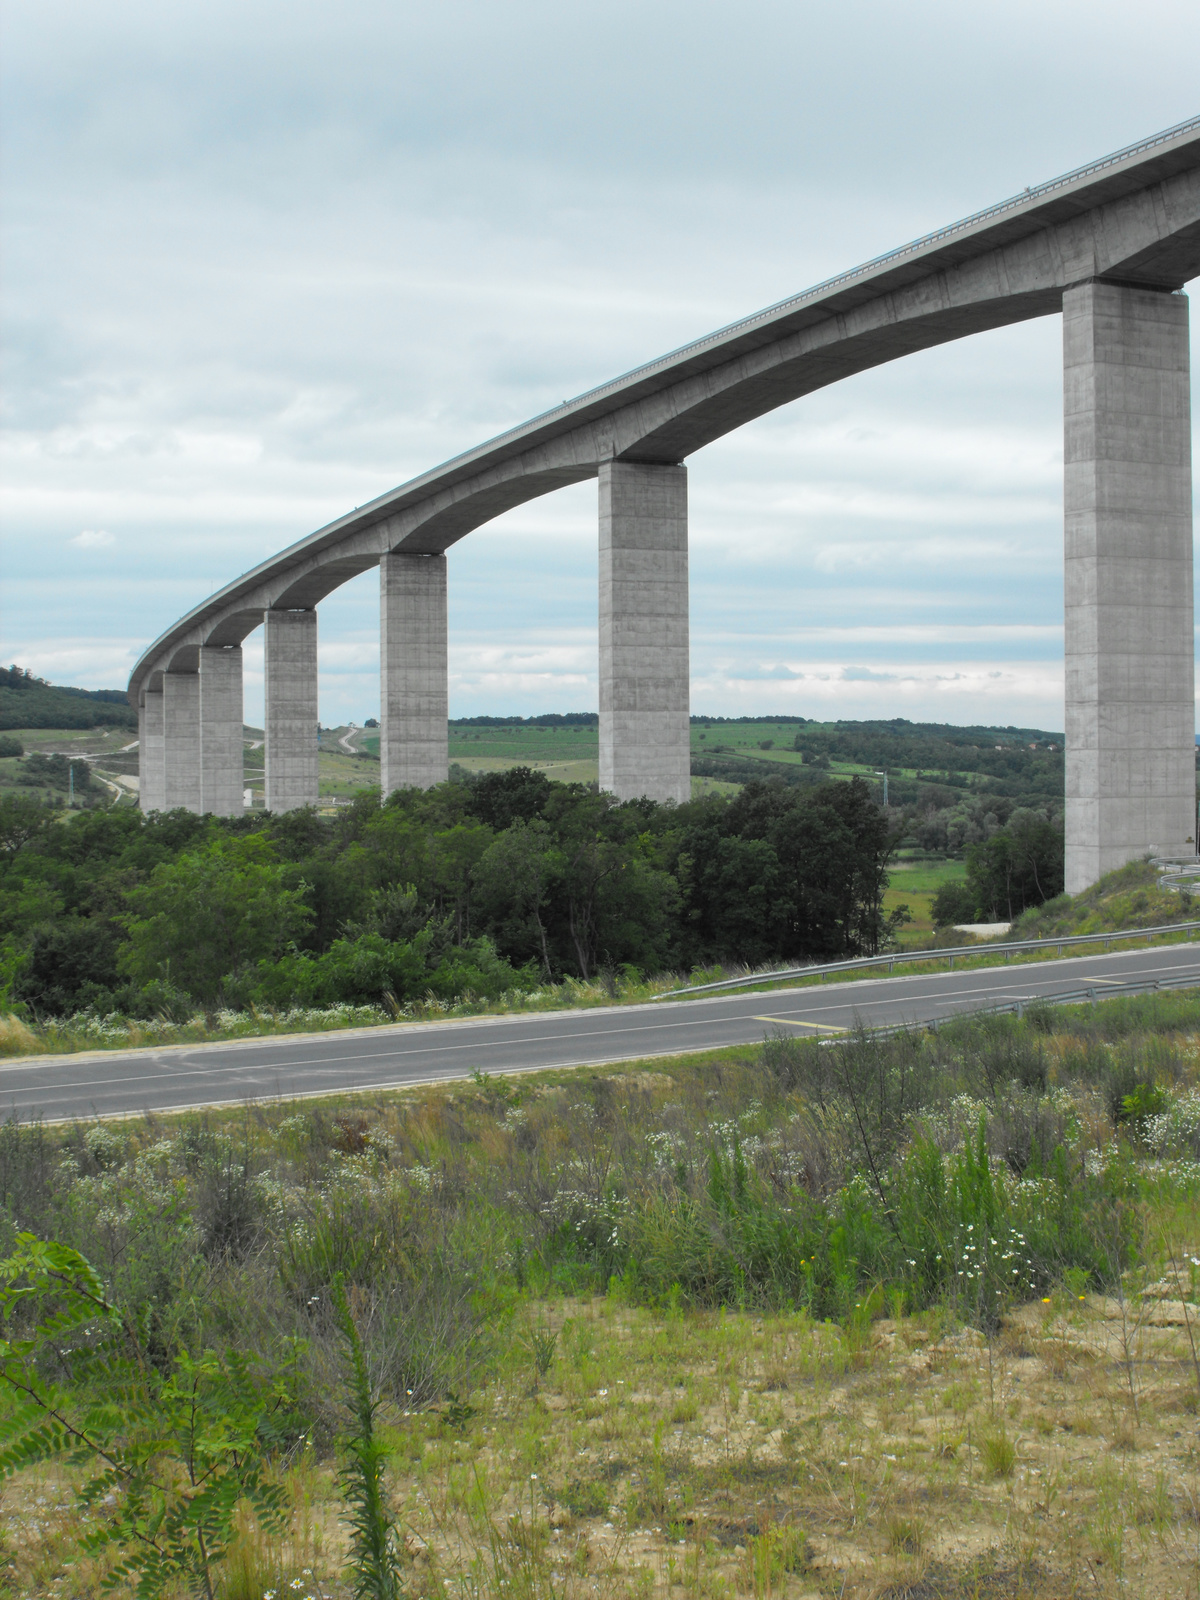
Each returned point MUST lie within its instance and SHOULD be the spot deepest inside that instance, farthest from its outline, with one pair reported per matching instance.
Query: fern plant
(374, 1558)
(173, 1452)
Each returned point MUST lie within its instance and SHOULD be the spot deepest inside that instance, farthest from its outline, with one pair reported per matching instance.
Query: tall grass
(967, 1169)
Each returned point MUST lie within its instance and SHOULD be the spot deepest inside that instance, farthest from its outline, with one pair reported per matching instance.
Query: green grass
(103, 745)
(914, 882)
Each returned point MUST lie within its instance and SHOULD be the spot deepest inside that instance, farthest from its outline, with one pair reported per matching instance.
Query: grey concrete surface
(173, 1079)
(645, 738)
(290, 709)
(221, 761)
(152, 794)
(1130, 653)
(181, 740)
(413, 693)
(1132, 218)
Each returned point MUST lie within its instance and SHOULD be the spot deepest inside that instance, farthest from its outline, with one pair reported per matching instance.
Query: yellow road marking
(825, 1026)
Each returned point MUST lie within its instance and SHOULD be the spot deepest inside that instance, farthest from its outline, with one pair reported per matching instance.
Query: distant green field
(922, 761)
(913, 883)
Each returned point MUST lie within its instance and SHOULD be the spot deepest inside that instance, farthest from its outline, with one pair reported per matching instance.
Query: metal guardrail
(1181, 873)
(1017, 1006)
(947, 953)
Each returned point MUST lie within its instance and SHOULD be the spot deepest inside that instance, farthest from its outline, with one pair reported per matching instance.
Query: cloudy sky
(266, 260)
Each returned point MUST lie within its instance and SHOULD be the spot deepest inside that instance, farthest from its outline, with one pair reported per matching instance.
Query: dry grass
(616, 1449)
(661, 1455)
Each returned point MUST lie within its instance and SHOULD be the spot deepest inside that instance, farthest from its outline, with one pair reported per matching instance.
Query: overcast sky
(265, 261)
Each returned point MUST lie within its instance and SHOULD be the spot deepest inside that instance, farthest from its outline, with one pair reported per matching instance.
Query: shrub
(953, 902)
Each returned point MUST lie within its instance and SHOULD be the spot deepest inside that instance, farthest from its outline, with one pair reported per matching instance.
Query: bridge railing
(948, 953)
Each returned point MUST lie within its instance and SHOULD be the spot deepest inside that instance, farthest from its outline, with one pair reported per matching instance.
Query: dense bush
(477, 887)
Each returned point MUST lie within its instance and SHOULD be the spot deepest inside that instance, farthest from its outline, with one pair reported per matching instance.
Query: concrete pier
(181, 740)
(644, 729)
(291, 716)
(151, 766)
(413, 672)
(1130, 691)
(221, 746)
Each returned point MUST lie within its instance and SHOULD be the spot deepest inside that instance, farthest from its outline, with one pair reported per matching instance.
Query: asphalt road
(173, 1078)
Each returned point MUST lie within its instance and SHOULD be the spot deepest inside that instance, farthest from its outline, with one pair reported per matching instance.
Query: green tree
(202, 918)
(514, 881)
(954, 902)
(22, 820)
(614, 902)
(1020, 866)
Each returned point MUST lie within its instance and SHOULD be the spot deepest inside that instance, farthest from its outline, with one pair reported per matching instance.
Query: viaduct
(1110, 246)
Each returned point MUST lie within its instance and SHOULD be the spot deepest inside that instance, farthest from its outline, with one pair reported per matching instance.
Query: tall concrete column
(151, 767)
(221, 760)
(414, 701)
(1130, 688)
(291, 717)
(645, 741)
(181, 740)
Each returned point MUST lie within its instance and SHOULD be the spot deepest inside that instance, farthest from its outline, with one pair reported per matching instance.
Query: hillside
(929, 765)
(29, 702)
(1127, 898)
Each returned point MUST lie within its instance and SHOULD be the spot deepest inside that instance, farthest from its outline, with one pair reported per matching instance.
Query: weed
(906, 1535)
(998, 1453)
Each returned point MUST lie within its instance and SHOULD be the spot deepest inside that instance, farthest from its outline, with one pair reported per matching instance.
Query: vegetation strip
(912, 1316)
(948, 952)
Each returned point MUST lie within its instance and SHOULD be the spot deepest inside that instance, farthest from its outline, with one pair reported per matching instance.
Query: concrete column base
(291, 716)
(222, 777)
(152, 793)
(645, 735)
(181, 741)
(413, 669)
(1130, 654)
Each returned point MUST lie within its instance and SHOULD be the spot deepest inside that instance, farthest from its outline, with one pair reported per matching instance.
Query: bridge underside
(1110, 248)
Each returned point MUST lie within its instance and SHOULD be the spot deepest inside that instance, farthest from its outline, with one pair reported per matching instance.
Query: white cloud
(250, 285)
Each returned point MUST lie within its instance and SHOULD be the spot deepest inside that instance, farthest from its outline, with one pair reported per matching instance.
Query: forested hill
(29, 702)
(930, 749)
(926, 762)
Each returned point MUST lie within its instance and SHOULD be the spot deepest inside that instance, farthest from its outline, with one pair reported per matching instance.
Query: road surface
(176, 1077)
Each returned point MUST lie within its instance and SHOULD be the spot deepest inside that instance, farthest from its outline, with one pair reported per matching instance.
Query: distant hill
(29, 702)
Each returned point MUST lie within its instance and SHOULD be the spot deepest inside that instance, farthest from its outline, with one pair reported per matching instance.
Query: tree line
(503, 881)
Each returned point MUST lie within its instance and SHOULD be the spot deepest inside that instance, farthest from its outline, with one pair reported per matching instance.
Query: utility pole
(884, 776)
(70, 786)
